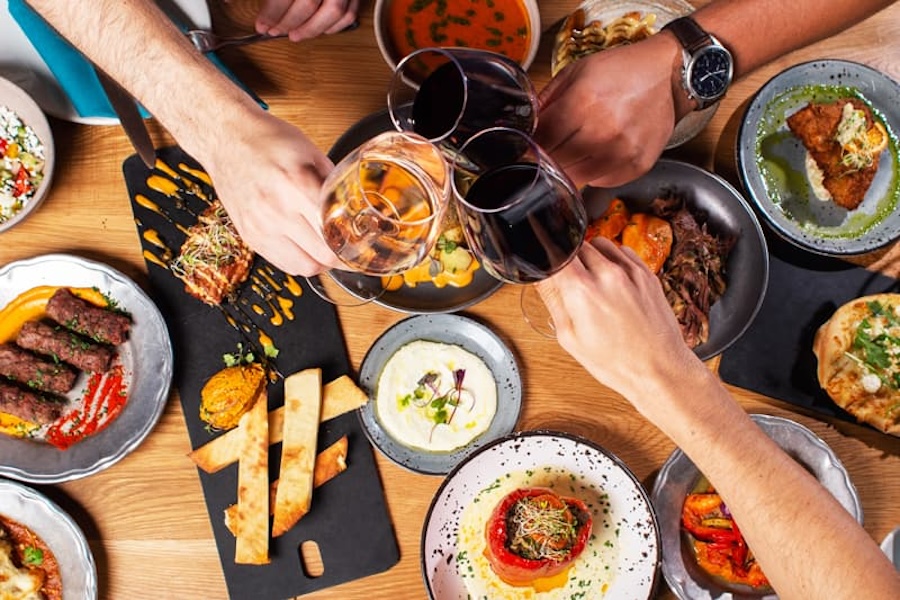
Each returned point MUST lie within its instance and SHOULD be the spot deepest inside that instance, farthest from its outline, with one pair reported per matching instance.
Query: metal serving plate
(146, 358)
(678, 477)
(61, 534)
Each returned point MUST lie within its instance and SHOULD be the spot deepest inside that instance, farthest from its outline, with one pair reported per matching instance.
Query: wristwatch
(708, 66)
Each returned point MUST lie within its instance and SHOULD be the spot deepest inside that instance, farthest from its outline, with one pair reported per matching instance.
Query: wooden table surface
(145, 517)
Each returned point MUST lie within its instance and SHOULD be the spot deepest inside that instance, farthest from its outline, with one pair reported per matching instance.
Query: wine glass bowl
(447, 95)
(383, 204)
(522, 216)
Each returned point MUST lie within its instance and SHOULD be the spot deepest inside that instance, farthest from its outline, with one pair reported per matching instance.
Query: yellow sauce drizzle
(149, 204)
(164, 186)
(292, 285)
(201, 175)
(152, 236)
(150, 257)
(166, 169)
(286, 306)
(258, 309)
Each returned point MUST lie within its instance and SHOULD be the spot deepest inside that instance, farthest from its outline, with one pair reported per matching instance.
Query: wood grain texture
(146, 518)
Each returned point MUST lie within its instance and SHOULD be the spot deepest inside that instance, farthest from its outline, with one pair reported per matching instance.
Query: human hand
(305, 19)
(607, 117)
(611, 315)
(271, 191)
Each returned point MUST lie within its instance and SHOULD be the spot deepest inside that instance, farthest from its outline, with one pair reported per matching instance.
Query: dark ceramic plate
(425, 297)
(771, 160)
(727, 213)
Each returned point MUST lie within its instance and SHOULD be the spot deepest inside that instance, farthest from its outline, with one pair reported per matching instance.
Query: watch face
(710, 72)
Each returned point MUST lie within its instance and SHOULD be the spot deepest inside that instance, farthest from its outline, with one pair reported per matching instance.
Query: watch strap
(691, 36)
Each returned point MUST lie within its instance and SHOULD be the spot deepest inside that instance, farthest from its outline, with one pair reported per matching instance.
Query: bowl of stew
(508, 27)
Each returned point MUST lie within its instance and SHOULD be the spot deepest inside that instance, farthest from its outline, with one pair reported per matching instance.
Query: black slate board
(774, 356)
(348, 519)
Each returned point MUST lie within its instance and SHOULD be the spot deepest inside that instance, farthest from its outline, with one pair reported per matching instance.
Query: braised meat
(694, 276)
(847, 174)
(90, 320)
(65, 345)
(28, 405)
(35, 372)
(213, 260)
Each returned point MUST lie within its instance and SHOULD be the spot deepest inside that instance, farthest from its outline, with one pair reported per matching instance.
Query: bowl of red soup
(508, 27)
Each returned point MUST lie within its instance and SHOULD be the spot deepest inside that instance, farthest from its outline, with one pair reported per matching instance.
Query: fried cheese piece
(858, 364)
(847, 171)
(213, 260)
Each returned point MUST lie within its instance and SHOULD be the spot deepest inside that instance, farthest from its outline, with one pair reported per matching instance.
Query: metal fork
(207, 41)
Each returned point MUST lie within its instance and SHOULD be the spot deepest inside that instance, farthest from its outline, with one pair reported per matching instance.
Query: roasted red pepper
(22, 183)
(557, 532)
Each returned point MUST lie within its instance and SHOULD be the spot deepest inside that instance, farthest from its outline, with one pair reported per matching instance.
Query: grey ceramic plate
(747, 270)
(771, 160)
(448, 329)
(425, 298)
(678, 477)
(625, 531)
(64, 538)
(146, 358)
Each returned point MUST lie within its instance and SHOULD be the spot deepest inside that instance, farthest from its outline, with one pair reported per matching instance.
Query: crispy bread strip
(338, 396)
(330, 462)
(252, 546)
(302, 407)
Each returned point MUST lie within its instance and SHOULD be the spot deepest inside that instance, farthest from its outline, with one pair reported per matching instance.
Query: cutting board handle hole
(311, 559)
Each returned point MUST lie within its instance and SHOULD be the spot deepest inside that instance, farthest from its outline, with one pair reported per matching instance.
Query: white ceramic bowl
(16, 99)
(392, 56)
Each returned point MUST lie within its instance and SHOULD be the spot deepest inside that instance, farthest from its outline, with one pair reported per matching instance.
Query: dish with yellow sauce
(622, 552)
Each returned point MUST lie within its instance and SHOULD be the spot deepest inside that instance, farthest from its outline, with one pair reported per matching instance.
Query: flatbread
(865, 383)
(252, 545)
(330, 462)
(338, 397)
(302, 406)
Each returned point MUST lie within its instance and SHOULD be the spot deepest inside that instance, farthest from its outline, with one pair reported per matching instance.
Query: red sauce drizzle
(102, 402)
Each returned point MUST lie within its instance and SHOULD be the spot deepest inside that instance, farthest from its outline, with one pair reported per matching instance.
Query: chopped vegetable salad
(21, 163)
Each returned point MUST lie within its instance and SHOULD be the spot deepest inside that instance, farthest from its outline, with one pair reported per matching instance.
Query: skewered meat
(28, 405)
(88, 319)
(35, 372)
(65, 345)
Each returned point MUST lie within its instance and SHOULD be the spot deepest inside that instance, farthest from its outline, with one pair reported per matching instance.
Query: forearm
(806, 543)
(784, 26)
(177, 84)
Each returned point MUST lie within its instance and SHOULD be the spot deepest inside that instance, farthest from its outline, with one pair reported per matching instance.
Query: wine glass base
(535, 312)
(326, 288)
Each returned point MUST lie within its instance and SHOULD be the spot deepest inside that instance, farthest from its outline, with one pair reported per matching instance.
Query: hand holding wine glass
(522, 216)
(447, 95)
(383, 204)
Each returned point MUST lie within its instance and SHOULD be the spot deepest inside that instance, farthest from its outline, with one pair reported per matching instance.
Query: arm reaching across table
(266, 172)
(607, 117)
(613, 316)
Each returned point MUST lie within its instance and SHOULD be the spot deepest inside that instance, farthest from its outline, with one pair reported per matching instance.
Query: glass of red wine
(447, 95)
(382, 207)
(522, 216)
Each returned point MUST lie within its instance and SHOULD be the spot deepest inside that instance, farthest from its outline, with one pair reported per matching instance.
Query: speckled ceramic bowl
(679, 476)
(771, 160)
(622, 557)
(448, 329)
